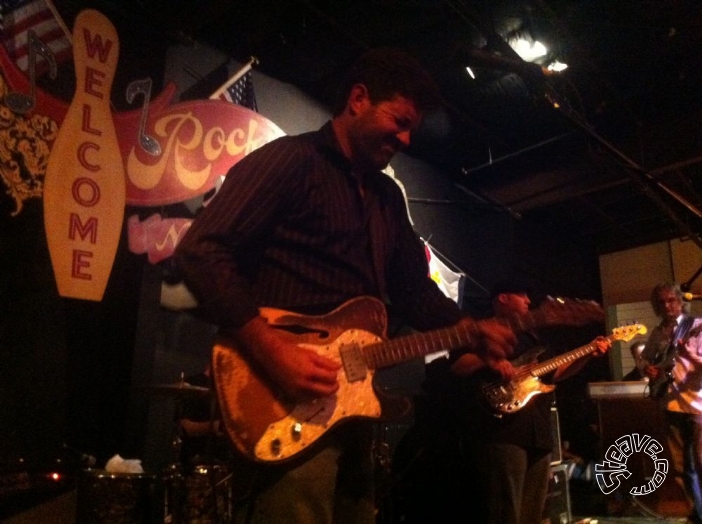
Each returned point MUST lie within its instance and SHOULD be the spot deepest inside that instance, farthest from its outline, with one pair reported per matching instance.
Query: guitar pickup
(353, 362)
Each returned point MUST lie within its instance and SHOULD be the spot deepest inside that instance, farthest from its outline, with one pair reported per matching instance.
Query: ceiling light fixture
(528, 51)
(557, 66)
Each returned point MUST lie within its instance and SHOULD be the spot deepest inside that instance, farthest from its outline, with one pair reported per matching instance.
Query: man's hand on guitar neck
(496, 345)
(300, 372)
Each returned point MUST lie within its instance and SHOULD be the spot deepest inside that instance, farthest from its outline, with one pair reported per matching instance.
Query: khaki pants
(332, 486)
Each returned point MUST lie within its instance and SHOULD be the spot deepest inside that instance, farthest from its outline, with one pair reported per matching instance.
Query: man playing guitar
(306, 224)
(507, 456)
(673, 364)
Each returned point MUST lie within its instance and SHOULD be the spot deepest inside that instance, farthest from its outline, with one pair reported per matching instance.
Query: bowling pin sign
(84, 188)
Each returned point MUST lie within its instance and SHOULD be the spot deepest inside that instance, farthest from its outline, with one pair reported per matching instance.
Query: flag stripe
(60, 47)
(19, 21)
(19, 17)
(47, 32)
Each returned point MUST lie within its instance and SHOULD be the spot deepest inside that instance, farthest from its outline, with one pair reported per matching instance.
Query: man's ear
(501, 298)
(358, 98)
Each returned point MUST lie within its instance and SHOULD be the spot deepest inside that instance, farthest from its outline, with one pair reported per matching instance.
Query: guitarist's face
(513, 303)
(669, 304)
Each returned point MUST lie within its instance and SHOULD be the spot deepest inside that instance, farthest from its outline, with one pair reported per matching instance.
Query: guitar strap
(681, 331)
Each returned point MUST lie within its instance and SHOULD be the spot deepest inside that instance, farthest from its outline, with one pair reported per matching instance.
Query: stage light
(528, 51)
(470, 72)
(557, 66)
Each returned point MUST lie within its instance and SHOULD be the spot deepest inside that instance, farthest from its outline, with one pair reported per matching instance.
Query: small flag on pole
(242, 92)
(239, 88)
(450, 282)
(17, 17)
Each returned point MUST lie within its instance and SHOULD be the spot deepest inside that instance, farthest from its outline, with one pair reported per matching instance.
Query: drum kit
(180, 494)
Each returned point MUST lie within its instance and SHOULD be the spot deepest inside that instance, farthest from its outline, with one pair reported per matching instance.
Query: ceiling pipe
(676, 165)
(476, 57)
(492, 162)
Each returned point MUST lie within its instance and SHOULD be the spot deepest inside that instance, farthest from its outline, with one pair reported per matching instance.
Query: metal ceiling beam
(637, 173)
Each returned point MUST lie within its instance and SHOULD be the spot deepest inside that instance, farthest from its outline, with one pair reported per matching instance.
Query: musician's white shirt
(685, 392)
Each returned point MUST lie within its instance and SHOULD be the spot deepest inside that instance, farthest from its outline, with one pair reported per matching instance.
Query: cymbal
(177, 389)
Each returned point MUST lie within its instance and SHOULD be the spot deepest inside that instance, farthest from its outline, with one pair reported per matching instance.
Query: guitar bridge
(353, 362)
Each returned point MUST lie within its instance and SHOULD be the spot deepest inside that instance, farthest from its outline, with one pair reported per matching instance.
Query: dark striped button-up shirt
(291, 228)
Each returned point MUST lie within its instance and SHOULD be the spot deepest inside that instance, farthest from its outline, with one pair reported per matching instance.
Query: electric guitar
(265, 426)
(658, 387)
(505, 397)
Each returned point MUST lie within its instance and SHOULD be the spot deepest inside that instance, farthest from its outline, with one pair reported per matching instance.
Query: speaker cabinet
(557, 507)
(619, 416)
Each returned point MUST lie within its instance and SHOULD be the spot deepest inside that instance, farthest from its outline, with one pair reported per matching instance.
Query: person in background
(673, 364)
(307, 223)
(637, 372)
(506, 456)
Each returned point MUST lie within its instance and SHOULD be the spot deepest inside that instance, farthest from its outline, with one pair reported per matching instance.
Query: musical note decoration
(22, 103)
(143, 87)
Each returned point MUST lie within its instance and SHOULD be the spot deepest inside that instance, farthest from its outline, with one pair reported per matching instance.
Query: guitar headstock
(626, 333)
(567, 312)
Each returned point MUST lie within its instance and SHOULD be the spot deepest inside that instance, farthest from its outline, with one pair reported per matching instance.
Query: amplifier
(557, 507)
(624, 389)
(557, 453)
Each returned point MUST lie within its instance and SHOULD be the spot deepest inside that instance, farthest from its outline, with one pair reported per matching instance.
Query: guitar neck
(552, 364)
(406, 348)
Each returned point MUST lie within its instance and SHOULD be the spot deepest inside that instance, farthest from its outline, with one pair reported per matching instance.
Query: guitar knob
(276, 446)
(296, 431)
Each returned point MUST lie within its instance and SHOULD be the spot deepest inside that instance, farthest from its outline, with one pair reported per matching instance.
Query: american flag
(17, 17)
(242, 92)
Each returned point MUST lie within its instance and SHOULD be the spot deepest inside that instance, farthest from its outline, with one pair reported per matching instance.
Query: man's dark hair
(387, 72)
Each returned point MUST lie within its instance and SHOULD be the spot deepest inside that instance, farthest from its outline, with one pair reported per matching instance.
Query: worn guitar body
(508, 397)
(658, 387)
(261, 422)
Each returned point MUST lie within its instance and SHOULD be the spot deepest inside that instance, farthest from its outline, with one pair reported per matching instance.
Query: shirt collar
(328, 143)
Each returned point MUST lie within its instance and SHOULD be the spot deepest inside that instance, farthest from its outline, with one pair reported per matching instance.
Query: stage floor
(627, 520)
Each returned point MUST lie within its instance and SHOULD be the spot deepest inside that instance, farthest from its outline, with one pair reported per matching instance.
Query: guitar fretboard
(553, 364)
(408, 347)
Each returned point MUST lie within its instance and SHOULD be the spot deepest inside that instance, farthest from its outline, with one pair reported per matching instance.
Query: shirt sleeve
(694, 344)
(211, 256)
